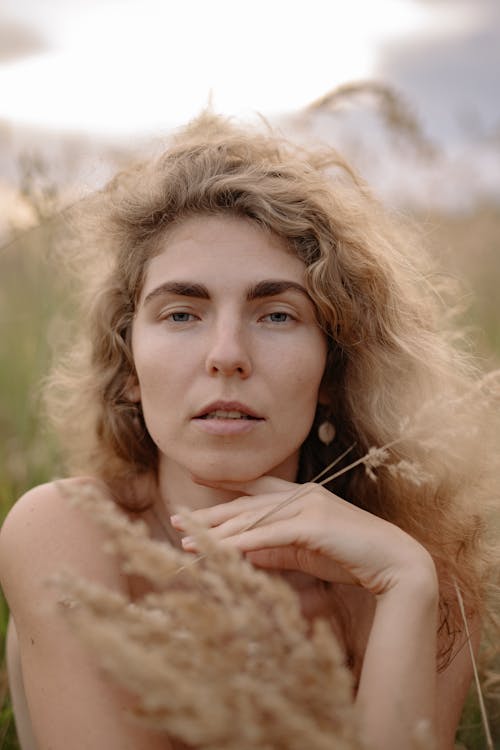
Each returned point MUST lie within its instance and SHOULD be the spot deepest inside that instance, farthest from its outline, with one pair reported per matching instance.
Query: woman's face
(228, 353)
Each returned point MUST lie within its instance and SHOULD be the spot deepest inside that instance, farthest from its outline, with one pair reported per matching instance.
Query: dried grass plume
(218, 653)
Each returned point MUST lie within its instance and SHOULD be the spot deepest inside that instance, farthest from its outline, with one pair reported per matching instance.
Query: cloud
(452, 76)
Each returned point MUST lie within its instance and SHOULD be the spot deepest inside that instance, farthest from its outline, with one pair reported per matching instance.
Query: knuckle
(302, 557)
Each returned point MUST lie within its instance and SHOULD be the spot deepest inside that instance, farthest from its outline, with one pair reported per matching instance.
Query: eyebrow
(272, 287)
(181, 288)
(265, 288)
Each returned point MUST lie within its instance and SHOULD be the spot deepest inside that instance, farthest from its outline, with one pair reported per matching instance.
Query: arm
(324, 536)
(397, 689)
(70, 703)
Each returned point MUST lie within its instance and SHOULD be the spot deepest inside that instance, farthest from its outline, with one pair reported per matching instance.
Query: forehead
(222, 249)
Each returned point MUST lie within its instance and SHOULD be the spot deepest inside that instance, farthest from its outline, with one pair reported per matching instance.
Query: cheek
(154, 366)
(300, 397)
(310, 366)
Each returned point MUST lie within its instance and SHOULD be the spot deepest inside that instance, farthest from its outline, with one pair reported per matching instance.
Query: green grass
(32, 298)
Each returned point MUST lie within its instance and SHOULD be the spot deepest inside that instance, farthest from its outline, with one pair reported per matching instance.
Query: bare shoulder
(43, 532)
(43, 513)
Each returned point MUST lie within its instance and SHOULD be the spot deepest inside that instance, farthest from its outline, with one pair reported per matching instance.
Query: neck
(178, 490)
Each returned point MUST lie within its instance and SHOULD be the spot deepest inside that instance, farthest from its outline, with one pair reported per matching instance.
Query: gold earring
(326, 432)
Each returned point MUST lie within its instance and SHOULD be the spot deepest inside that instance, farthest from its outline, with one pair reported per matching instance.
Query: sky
(453, 76)
(118, 67)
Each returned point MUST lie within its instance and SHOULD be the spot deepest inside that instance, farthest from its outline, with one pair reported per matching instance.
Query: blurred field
(33, 305)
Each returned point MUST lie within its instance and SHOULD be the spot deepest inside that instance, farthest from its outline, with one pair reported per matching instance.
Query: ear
(132, 389)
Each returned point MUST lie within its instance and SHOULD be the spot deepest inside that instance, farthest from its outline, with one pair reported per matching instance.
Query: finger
(280, 533)
(217, 514)
(225, 521)
(245, 521)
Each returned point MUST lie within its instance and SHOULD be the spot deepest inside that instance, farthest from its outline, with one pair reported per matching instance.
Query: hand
(316, 532)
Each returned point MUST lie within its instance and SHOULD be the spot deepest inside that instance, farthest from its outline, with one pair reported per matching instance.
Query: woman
(250, 318)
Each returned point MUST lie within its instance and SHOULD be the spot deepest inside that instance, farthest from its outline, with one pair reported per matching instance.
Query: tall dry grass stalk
(395, 112)
(482, 707)
(218, 654)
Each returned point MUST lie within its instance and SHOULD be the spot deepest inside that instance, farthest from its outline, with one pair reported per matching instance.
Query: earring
(326, 432)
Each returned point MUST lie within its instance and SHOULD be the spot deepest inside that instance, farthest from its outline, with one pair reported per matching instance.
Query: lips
(221, 414)
(233, 410)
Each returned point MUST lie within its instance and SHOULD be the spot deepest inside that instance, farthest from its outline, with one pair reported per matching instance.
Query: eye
(180, 317)
(278, 317)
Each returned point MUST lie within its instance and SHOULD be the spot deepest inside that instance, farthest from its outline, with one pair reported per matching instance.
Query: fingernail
(176, 521)
(188, 541)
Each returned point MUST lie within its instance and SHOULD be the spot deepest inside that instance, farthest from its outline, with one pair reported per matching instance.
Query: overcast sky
(453, 78)
(128, 66)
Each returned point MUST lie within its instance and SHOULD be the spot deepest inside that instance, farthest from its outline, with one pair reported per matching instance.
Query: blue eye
(181, 317)
(279, 317)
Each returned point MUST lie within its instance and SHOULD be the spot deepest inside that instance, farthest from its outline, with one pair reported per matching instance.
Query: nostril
(238, 364)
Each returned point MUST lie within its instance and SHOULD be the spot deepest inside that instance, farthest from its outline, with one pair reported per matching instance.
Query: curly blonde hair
(390, 355)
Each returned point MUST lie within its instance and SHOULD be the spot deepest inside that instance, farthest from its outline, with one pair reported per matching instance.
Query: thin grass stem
(482, 707)
(303, 490)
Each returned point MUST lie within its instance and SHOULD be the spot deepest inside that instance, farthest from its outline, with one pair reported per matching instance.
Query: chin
(245, 472)
(218, 474)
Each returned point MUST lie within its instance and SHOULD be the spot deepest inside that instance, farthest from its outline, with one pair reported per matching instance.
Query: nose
(228, 353)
